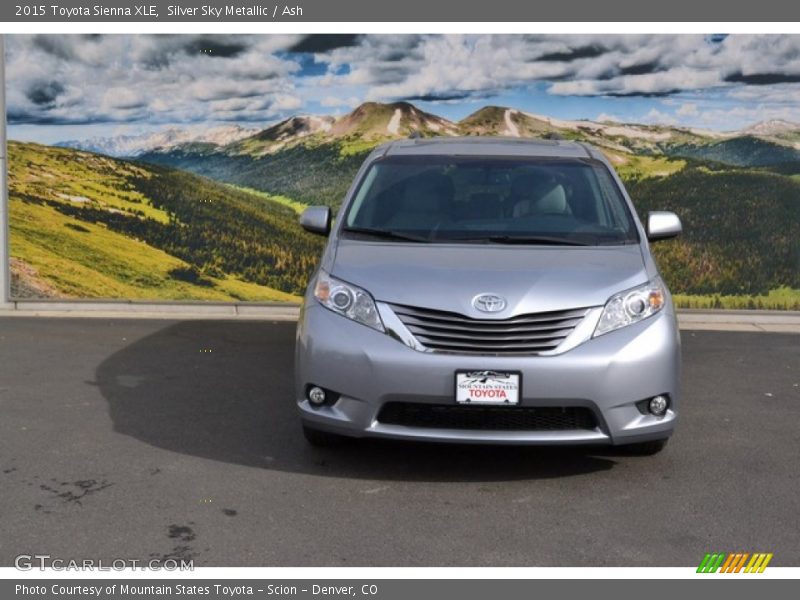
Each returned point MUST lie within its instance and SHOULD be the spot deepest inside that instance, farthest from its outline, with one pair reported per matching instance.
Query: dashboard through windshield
(430, 199)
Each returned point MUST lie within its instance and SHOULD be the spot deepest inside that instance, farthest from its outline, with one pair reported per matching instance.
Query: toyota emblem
(489, 303)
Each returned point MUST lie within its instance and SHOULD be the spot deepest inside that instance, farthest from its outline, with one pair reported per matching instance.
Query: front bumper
(607, 375)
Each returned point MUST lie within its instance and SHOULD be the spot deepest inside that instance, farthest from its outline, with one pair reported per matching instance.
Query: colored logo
(735, 562)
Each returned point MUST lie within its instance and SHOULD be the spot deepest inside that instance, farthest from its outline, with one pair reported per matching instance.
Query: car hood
(448, 277)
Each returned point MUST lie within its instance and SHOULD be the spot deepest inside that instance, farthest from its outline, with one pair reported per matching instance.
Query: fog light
(316, 396)
(658, 405)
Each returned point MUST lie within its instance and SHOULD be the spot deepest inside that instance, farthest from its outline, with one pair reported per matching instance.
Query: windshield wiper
(386, 234)
(525, 239)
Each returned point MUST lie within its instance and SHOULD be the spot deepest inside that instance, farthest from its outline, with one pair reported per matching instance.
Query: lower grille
(528, 334)
(487, 418)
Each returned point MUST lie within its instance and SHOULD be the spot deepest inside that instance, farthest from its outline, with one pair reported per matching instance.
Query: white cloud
(738, 117)
(152, 78)
(284, 102)
(657, 117)
(336, 102)
(687, 109)
(455, 65)
(785, 93)
(197, 78)
(123, 97)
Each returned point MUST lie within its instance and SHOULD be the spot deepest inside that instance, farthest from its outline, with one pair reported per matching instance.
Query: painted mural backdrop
(174, 167)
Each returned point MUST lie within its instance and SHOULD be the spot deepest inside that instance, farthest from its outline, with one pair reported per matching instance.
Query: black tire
(645, 448)
(321, 439)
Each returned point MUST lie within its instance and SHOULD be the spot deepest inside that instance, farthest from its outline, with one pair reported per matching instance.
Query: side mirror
(662, 225)
(316, 219)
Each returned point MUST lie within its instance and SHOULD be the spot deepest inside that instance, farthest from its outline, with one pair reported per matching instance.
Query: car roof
(487, 146)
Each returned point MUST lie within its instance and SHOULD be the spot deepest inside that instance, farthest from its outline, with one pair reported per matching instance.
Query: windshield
(489, 200)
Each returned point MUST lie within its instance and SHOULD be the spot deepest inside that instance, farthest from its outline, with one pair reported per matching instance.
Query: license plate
(487, 387)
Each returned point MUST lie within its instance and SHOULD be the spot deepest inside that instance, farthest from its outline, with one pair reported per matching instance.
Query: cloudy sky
(70, 86)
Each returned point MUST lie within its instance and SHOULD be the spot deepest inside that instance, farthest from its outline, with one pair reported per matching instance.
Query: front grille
(524, 334)
(488, 418)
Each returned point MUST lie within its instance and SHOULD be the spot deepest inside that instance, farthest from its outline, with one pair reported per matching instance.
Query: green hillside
(228, 213)
(741, 229)
(85, 225)
(746, 151)
(310, 174)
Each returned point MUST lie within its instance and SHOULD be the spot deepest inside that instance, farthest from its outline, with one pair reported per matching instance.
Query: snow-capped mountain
(373, 122)
(134, 145)
(772, 127)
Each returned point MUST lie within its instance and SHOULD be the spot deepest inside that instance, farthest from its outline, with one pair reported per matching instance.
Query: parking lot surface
(156, 439)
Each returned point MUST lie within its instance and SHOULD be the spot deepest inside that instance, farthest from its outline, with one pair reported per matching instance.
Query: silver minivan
(488, 290)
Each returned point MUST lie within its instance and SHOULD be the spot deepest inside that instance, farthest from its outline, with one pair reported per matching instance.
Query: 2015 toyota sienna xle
(488, 290)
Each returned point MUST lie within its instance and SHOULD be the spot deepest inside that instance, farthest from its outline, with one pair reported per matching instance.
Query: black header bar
(337, 11)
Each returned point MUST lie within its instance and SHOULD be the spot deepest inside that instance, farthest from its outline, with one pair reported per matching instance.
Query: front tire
(321, 439)
(645, 448)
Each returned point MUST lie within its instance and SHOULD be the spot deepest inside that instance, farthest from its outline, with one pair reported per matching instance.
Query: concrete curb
(153, 310)
(700, 320)
(740, 320)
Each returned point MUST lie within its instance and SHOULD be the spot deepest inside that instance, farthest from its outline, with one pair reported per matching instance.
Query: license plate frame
(504, 387)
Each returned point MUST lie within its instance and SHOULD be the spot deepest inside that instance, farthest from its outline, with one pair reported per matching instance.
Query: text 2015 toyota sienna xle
(490, 291)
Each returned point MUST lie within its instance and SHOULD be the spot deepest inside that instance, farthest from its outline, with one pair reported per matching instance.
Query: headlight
(348, 300)
(632, 306)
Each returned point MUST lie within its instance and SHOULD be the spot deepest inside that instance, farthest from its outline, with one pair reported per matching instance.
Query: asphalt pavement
(123, 438)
